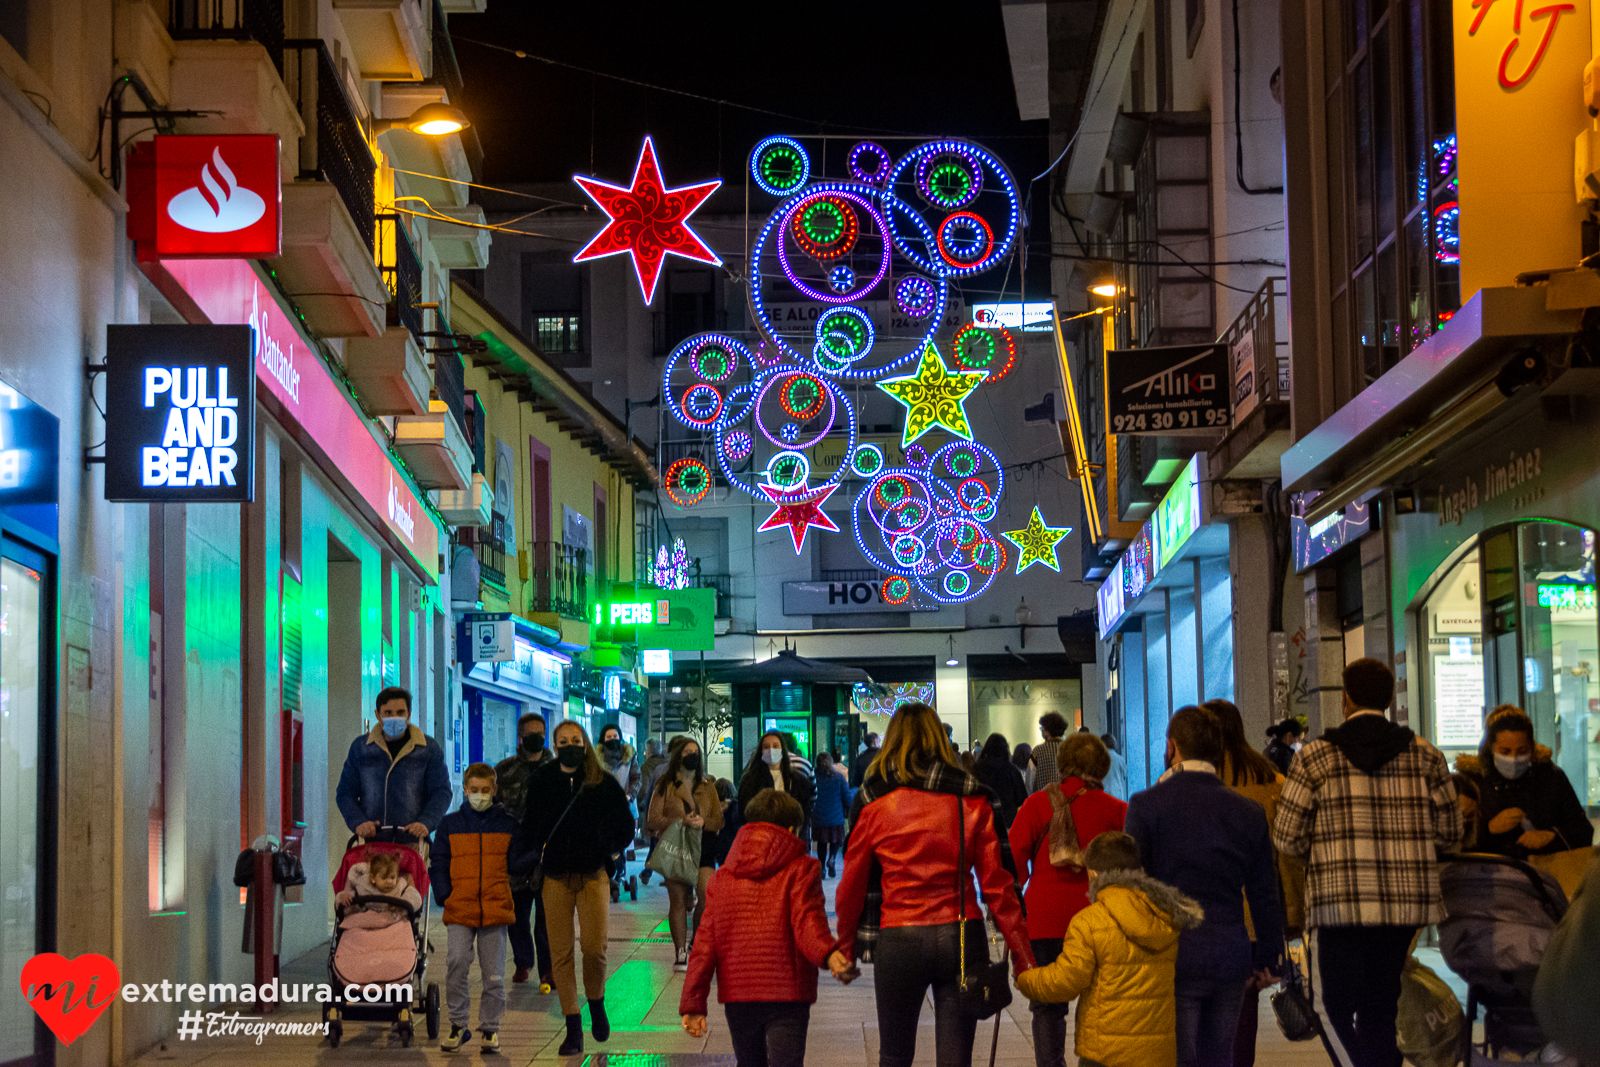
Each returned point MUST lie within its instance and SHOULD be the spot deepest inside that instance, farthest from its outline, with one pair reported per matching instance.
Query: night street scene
(1026, 533)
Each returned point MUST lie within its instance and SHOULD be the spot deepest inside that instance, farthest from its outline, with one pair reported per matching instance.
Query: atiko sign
(206, 196)
(1180, 389)
(180, 413)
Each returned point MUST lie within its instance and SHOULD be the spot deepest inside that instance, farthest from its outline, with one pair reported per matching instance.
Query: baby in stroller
(379, 875)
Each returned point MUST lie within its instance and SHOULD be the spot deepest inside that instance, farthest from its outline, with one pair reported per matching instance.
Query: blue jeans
(906, 962)
(1208, 1018)
(768, 1033)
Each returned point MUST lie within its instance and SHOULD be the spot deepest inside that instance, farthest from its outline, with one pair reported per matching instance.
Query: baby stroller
(1499, 915)
(369, 950)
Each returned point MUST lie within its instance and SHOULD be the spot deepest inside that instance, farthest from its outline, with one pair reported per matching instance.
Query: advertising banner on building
(206, 196)
(1179, 389)
(180, 414)
(844, 598)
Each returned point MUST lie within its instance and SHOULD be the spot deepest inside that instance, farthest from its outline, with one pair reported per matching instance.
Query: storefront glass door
(22, 647)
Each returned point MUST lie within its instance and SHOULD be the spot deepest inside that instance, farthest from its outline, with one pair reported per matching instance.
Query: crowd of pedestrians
(1163, 916)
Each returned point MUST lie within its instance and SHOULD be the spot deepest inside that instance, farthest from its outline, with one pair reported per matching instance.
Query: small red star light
(799, 510)
(648, 221)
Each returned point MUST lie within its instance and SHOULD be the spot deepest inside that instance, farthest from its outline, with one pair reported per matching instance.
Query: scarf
(1065, 853)
(939, 778)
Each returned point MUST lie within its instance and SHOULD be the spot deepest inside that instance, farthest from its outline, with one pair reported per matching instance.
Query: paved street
(642, 998)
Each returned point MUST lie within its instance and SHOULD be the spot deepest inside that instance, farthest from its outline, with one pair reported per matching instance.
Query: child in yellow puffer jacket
(1121, 956)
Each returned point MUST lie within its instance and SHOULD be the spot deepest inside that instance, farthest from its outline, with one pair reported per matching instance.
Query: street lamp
(1103, 281)
(430, 120)
(952, 661)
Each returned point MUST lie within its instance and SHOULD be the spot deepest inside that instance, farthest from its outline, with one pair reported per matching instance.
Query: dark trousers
(906, 962)
(1208, 1018)
(1357, 990)
(528, 940)
(1049, 1020)
(768, 1033)
(1244, 1038)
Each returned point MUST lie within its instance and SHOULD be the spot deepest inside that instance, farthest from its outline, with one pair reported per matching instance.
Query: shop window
(1451, 628)
(24, 851)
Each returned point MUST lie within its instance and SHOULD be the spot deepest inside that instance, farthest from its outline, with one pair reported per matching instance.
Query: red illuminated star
(648, 221)
(799, 509)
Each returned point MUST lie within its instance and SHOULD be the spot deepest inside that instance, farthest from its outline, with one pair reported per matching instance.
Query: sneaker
(491, 1041)
(458, 1035)
(521, 974)
(546, 983)
(681, 962)
(644, 875)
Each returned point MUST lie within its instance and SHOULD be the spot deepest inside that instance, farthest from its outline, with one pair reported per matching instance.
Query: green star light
(933, 397)
(1037, 542)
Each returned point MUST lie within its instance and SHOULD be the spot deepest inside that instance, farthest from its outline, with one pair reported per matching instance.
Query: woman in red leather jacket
(905, 839)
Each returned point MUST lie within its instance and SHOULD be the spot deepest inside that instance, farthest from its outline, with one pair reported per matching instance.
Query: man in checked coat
(1369, 805)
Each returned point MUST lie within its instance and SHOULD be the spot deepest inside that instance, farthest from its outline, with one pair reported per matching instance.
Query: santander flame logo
(218, 204)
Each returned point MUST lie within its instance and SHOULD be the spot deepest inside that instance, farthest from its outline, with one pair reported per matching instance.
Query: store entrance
(26, 852)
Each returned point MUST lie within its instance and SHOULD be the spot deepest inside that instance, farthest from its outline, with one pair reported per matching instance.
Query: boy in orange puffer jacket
(1120, 957)
(475, 851)
(765, 934)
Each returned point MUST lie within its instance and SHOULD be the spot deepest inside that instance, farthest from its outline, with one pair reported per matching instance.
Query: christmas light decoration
(915, 296)
(933, 397)
(648, 221)
(799, 510)
(1037, 542)
(779, 166)
(868, 162)
(687, 482)
(990, 349)
(671, 570)
(867, 460)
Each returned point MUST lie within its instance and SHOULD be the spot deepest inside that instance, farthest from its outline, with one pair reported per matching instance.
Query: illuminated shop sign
(1178, 515)
(1315, 542)
(1029, 318)
(1567, 597)
(1110, 600)
(180, 414)
(30, 455)
(655, 660)
(679, 620)
(206, 196)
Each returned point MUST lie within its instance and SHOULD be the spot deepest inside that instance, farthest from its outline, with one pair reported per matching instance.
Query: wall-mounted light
(1103, 281)
(430, 120)
(1024, 617)
(952, 661)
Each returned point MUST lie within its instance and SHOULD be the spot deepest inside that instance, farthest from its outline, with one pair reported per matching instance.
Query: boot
(599, 1025)
(573, 1045)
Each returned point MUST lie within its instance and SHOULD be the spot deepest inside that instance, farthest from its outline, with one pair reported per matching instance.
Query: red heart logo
(63, 991)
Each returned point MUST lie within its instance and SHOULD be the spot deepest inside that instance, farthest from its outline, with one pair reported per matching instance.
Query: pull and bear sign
(180, 413)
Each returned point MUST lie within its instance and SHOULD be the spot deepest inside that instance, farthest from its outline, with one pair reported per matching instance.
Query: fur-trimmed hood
(1149, 913)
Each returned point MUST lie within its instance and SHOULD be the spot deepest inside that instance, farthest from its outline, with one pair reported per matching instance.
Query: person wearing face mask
(529, 945)
(1526, 805)
(394, 781)
(617, 757)
(478, 849)
(771, 767)
(684, 794)
(577, 817)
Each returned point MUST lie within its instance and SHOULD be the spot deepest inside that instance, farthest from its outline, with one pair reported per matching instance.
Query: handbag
(1296, 1018)
(677, 854)
(988, 990)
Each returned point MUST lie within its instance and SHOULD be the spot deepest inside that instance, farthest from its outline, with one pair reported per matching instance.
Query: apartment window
(1390, 109)
(558, 333)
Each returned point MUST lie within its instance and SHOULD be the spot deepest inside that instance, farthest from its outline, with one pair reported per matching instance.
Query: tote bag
(677, 854)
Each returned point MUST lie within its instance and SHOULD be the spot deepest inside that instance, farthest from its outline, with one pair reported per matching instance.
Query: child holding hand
(764, 936)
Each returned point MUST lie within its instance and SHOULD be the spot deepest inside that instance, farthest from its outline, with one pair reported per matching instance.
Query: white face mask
(480, 801)
(1512, 766)
(772, 756)
(1296, 745)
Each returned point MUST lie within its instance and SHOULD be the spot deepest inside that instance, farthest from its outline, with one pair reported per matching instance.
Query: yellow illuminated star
(933, 397)
(1038, 542)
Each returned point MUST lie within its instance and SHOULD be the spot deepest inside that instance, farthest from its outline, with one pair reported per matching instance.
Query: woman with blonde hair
(1048, 839)
(577, 816)
(904, 848)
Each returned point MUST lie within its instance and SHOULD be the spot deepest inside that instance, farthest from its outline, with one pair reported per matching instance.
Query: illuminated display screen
(1572, 597)
(626, 614)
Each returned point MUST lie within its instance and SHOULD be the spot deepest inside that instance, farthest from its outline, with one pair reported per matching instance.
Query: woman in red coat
(905, 841)
(1062, 819)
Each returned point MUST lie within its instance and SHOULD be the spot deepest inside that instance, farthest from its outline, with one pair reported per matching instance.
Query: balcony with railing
(558, 581)
(1258, 348)
(238, 20)
(390, 371)
(723, 584)
(402, 272)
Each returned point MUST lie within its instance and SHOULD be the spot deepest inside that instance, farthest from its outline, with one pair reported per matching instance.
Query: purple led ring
(924, 175)
(915, 296)
(818, 294)
(859, 171)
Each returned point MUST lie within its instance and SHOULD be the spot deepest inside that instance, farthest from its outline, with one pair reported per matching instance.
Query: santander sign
(206, 196)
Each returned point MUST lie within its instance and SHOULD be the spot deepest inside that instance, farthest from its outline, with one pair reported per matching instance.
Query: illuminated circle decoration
(780, 166)
(915, 296)
(916, 455)
(846, 333)
(867, 460)
(803, 397)
(701, 405)
(713, 362)
(688, 481)
(647, 221)
(964, 239)
(841, 279)
(788, 470)
(951, 179)
(825, 227)
(999, 202)
(789, 433)
(737, 446)
(895, 590)
(990, 349)
(957, 583)
(840, 195)
(1447, 232)
(868, 162)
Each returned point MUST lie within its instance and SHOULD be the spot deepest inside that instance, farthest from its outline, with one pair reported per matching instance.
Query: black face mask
(571, 756)
(691, 762)
(533, 744)
(612, 744)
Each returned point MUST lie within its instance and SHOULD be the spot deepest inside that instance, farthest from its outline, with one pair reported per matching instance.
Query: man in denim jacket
(395, 775)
